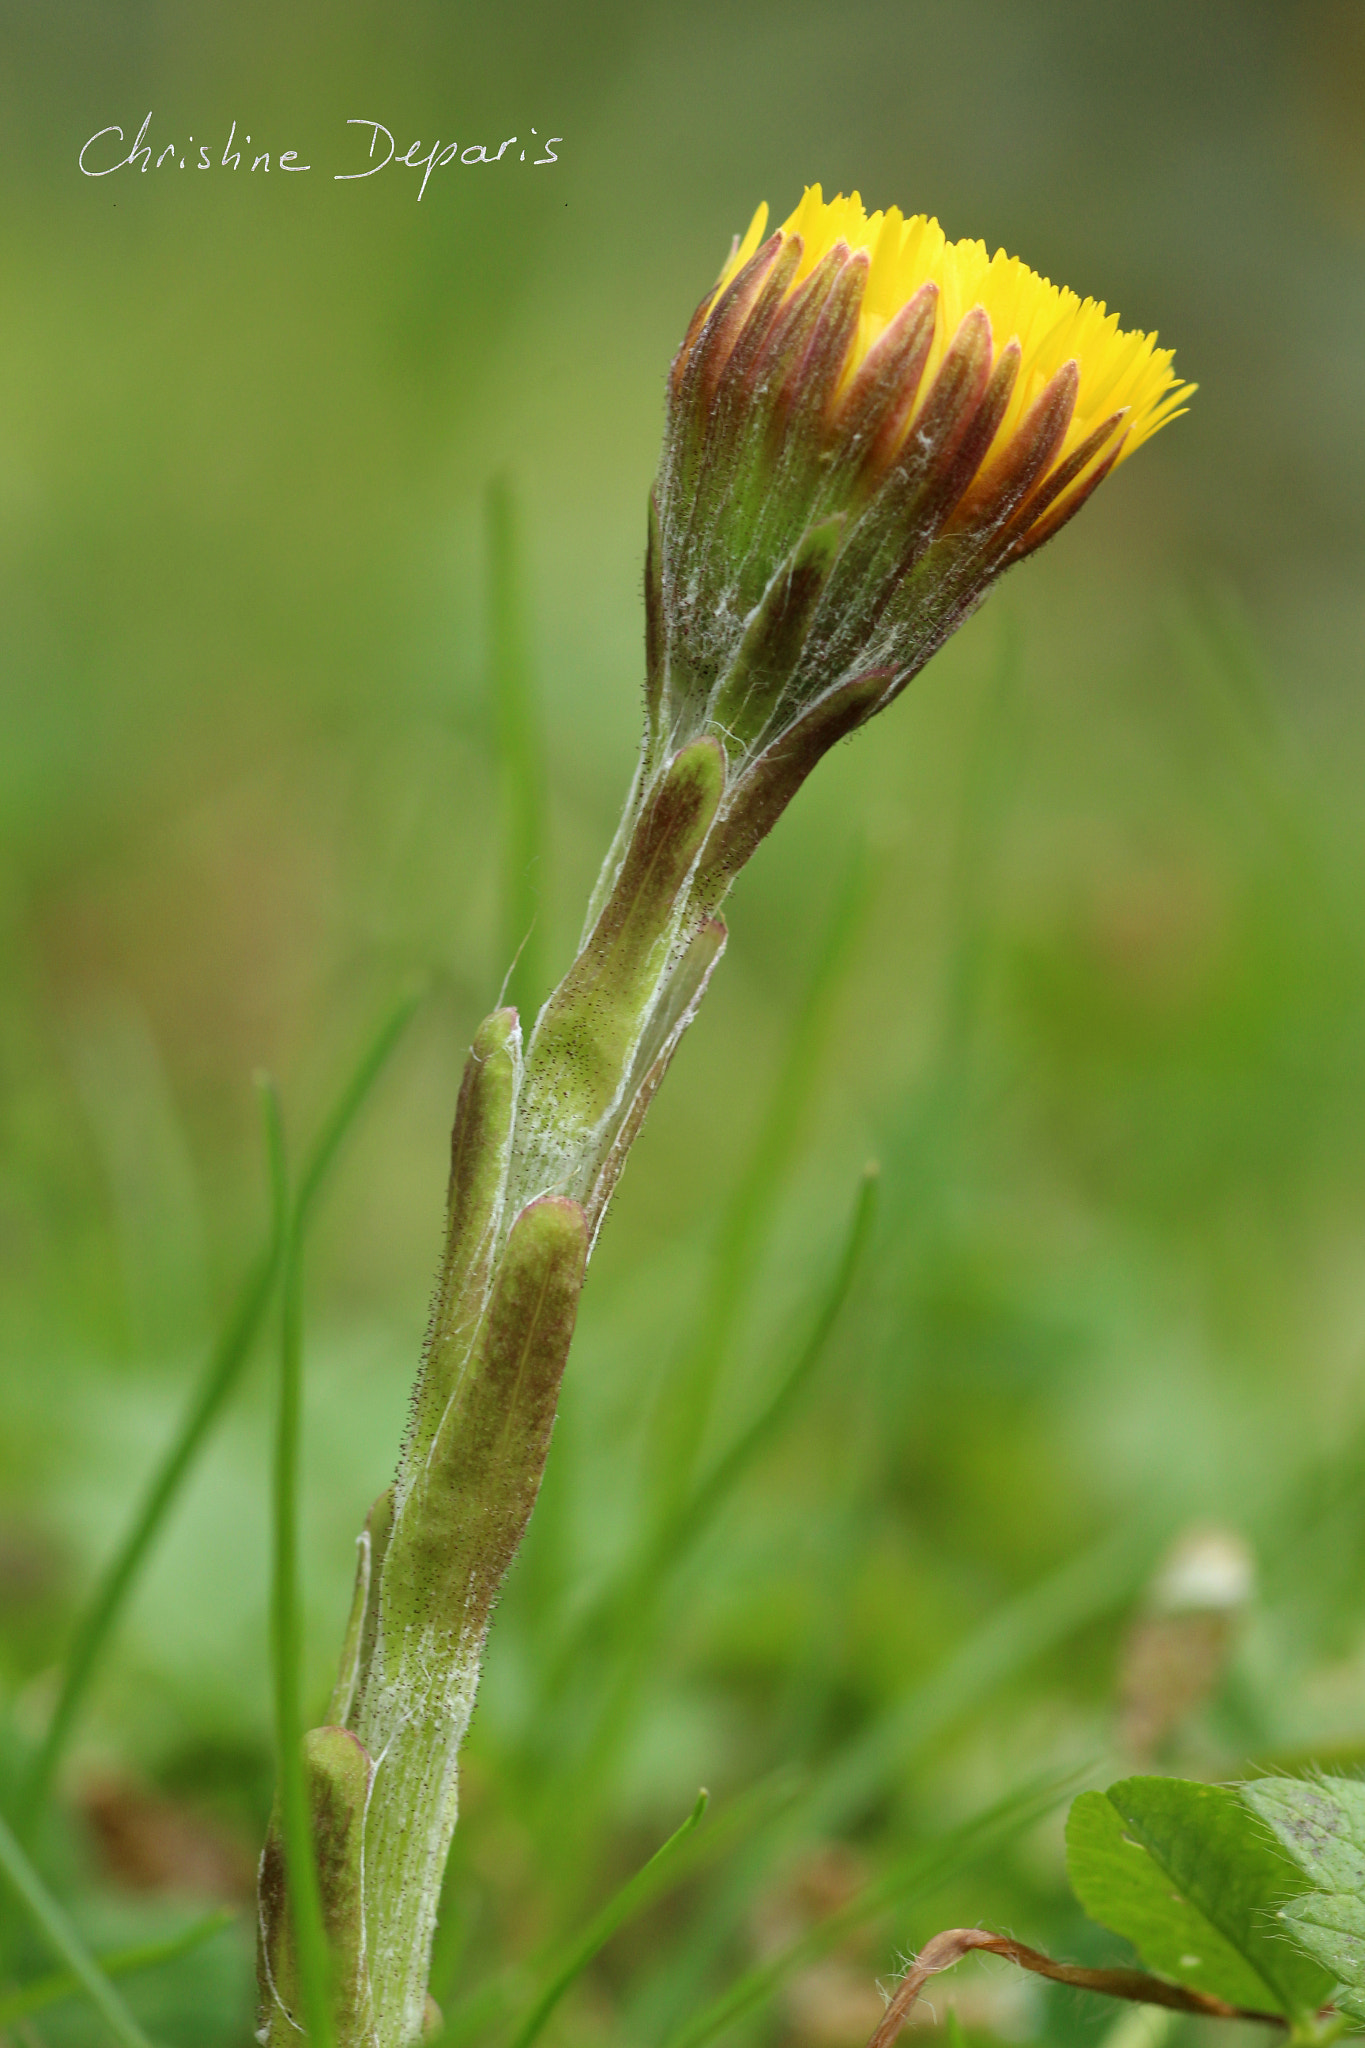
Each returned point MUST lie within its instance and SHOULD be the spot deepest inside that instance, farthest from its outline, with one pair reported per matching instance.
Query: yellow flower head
(867, 424)
(1123, 376)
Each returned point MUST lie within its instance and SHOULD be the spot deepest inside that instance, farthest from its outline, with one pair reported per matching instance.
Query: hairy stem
(539, 1141)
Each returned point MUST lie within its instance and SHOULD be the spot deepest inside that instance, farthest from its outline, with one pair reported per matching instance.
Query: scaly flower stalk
(866, 425)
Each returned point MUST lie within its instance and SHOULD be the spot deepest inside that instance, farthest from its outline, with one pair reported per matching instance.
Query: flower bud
(866, 425)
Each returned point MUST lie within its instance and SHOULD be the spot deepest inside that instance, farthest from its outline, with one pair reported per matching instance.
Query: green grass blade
(1004, 1644)
(633, 1896)
(286, 1631)
(733, 1463)
(481, 2012)
(121, 1962)
(923, 1146)
(677, 1538)
(613, 1621)
(1014, 1635)
(628, 1615)
(520, 754)
(64, 1942)
(991, 770)
(353, 1097)
(690, 1517)
(684, 1416)
(286, 1627)
(225, 1368)
(96, 1626)
(485, 2009)
(919, 1875)
(691, 1520)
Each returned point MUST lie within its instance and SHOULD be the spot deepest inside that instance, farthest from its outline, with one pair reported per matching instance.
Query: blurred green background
(1073, 943)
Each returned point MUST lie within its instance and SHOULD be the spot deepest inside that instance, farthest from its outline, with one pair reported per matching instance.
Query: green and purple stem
(539, 1142)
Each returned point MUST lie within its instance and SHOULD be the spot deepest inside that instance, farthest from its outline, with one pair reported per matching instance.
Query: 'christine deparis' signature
(100, 158)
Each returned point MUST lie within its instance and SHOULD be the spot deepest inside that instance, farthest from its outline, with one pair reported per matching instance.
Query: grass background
(1098, 1006)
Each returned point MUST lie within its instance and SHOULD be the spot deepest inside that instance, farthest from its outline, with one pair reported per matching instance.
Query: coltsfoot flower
(867, 424)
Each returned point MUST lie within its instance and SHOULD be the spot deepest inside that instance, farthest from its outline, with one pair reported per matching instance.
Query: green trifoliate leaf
(1330, 1926)
(1320, 1823)
(1191, 1877)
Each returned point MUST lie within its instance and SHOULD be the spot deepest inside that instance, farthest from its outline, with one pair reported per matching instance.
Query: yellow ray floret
(1052, 325)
